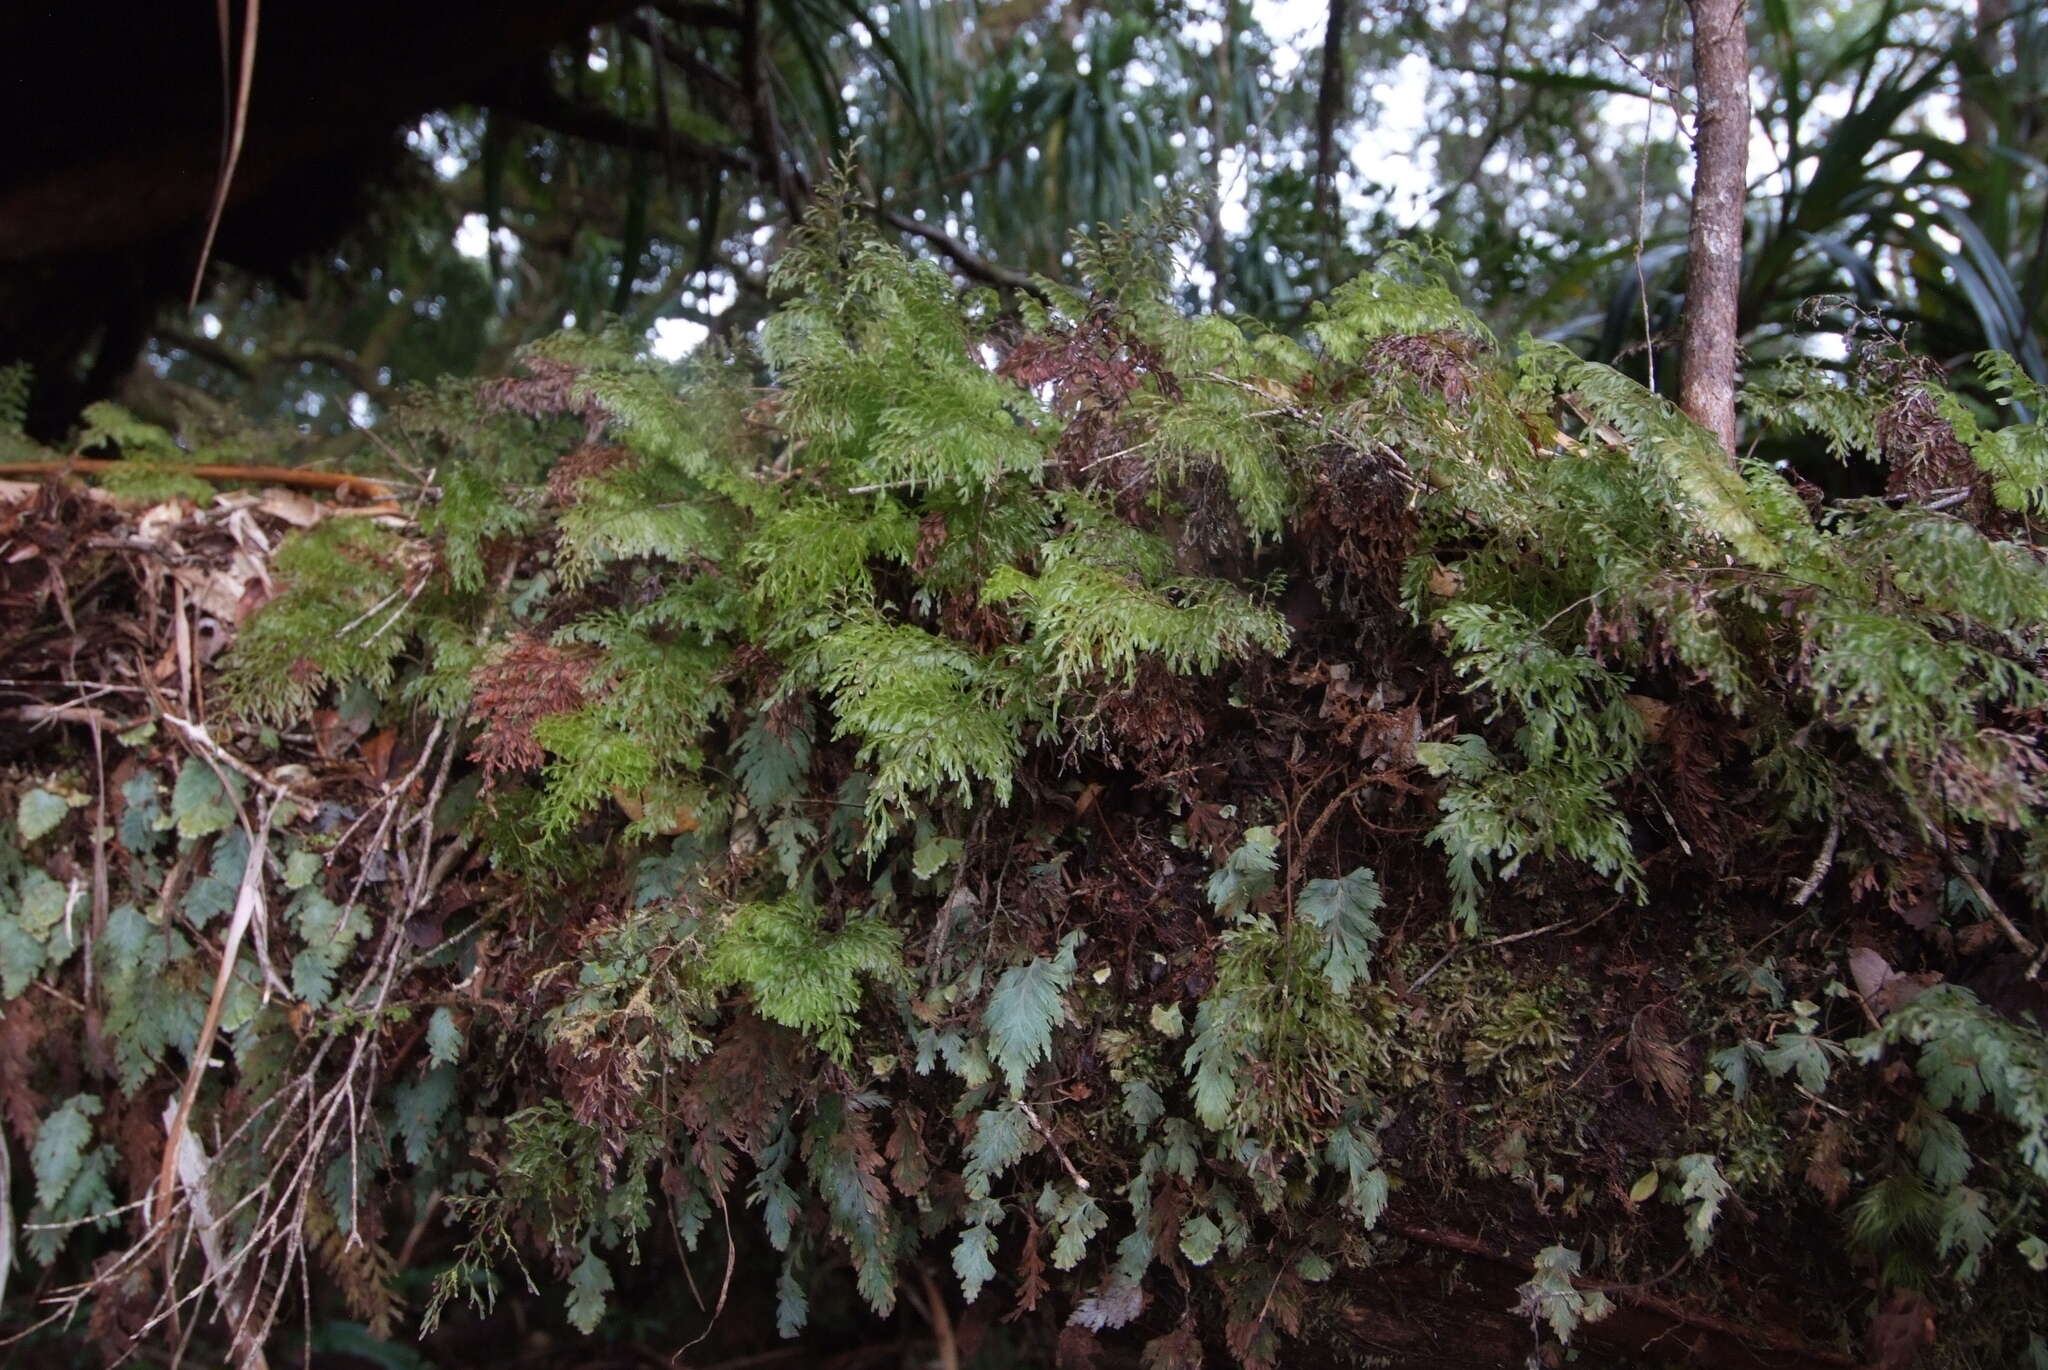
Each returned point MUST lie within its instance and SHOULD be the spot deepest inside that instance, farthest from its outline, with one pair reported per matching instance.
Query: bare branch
(970, 262)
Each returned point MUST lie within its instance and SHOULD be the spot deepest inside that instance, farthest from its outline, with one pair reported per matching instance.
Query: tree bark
(1713, 275)
(1329, 97)
(1989, 41)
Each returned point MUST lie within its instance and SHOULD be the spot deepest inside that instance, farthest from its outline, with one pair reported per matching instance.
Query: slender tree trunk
(1713, 275)
(1989, 41)
(1216, 242)
(1330, 97)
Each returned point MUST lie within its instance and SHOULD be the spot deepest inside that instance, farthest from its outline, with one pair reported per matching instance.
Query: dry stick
(248, 904)
(282, 1224)
(192, 1167)
(215, 757)
(1821, 864)
(236, 129)
(276, 1235)
(219, 756)
(337, 482)
(941, 1319)
(1502, 941)
(1030, 1116)
(101, 898)
(724, 1285)
(1774, 1338)
(2021, 943)
(6, 1217)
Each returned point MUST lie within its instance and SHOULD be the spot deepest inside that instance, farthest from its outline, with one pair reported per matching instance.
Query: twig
(248, 905)
(941, 1319)
(238, 126)
(338, 482)
(1821, 864)
(196, 733)
(970, 262)
(6, 1217)
(2021, 943)
(1502, 941)
(36, 715)
(1031, 1116)
(1776, 1339)
(192, 1167)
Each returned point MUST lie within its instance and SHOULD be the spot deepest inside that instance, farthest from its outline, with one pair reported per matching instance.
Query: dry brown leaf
(1884, 989)
(1900, 1332)
(300, 511)
(1824, 1170)
(1654, 713)
(1657, 1064)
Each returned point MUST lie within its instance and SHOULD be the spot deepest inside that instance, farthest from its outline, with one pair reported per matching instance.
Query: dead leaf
(301, 511)
(1977, 936)
(376, 750)
(1824, 1170)
(333, 733)
(1884, 989)
(1078, 1348)
(1869, 969)
(1653, 712)
(1654, 1060)
(1900, 1332)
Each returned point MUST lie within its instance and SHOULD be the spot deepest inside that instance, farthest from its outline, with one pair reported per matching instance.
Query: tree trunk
(1713, 275)
(1989, 41)
(1330, 96)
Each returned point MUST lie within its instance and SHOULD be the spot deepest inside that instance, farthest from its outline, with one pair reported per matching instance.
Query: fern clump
(1147, 815)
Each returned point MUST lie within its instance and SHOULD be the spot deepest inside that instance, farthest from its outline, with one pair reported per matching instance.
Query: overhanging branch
(539, 103)
(970, 262)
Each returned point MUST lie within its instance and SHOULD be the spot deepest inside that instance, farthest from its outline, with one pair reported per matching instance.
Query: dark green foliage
(1104, 794)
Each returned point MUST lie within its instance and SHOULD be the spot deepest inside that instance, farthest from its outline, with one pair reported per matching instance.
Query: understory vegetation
(1068, 832)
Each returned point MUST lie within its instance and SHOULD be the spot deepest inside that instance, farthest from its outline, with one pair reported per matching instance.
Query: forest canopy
(651, 168)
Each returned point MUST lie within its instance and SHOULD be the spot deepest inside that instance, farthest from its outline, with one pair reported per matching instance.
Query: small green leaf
(1200, 1239)
(934, 855)
(1344, 910)
(1212, 1058)
(1644, 1187)
(1142, 1105)
(1702, 1187)
(59, 1150)
(1247, 874)
(43, 902)
(792, 1304)
(971, 1260)
(300, 868)
(200, 805)
(38, 813)
(142, 815)
(422, 1106)
(1804, 1054)
(1080, 1218)
(22, 957)
(1021, 1012)
(589, 1282)
(444, 1038)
